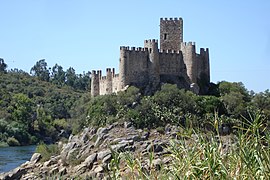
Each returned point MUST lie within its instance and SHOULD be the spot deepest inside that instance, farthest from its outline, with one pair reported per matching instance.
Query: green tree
(3, 65)
(235, 97)
(71, 77)
(58, 75)
(261, 101)
(21, 110)
(82, 81)
(40, 70)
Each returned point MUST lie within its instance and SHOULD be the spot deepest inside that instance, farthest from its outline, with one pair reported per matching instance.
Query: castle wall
(170, 62)
(109, 83)
(171, 33)
(133, 66)
(115, 84)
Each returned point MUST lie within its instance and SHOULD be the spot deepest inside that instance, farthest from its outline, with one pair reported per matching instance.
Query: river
(12, 157)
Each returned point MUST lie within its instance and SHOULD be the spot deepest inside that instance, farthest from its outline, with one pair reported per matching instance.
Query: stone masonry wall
(171, 33)
(189, 56)
(135, 66)
(171, 63)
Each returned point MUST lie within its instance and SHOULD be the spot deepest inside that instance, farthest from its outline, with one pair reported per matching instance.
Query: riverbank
(120, 151)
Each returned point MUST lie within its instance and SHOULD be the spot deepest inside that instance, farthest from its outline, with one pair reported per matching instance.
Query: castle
(176, 62)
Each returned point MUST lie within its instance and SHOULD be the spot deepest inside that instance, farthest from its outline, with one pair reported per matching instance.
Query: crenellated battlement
(204, 50)
(151, 41)
(133, 49)
(171, 19)
(169, 51)
(185, 44)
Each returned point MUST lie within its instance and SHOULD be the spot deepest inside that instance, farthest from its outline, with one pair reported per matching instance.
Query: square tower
(171, 33)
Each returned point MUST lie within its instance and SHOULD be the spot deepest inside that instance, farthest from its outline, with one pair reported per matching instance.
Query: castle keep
(175, 62)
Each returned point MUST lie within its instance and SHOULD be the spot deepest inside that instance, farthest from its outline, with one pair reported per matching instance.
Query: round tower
(95, 83)
(123, 76)
(154, 68)
(109, 81)
(189, 57)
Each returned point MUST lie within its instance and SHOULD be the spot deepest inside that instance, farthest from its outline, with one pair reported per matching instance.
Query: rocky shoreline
(89, 154)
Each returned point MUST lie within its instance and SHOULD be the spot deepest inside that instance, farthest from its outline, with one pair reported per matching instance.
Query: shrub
(47, 151)
(11, 141)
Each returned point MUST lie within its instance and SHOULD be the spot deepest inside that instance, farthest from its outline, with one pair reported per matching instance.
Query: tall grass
(245, 155)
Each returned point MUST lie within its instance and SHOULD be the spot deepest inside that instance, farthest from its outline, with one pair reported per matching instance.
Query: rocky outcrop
(90, 153)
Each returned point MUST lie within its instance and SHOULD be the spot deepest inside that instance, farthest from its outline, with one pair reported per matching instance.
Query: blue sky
(86, 34)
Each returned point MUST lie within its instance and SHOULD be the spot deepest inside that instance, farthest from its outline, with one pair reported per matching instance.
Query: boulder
(90, 159)
(102, 154)
(35, 158)
(98, 169)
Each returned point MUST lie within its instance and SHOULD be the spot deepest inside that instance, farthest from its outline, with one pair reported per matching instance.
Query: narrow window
(165, 36)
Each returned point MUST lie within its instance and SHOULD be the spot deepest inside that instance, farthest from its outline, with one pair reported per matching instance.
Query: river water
(12, 157)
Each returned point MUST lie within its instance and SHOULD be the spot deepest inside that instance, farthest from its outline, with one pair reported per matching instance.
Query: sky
(86, 35)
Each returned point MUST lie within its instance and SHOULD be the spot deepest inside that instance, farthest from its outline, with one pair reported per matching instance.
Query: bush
(11, 141)
(3, 144)
(47, 151)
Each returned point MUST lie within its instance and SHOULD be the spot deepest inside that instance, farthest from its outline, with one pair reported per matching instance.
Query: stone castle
(176, 62)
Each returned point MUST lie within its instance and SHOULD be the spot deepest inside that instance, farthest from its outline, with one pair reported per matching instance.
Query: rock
(67, 147)
(35, 158)
(63, 171)
(107, 159)
(90, 159)
(79, 169)
(145, 135)
(72, 153)
(15, 174)
(99, 140)
(119, 147)
(127, 124)
(135, 137)
(102, 154)
(129, 142)
(154, 147)
(102, 131)
(54, 170)
(98, 169)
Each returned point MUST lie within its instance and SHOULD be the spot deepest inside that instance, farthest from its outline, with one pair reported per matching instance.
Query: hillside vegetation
(34, 108)
(171, 134)
(52, 103)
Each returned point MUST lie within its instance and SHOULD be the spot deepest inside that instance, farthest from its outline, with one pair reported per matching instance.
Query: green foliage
(29, 106)
(3, 66)
(235, 98)
(40, 70)
(3, 144)
(19, 131)
(58, 75)
(47, 151)
(101, 108)
(175, 106)
(209, 104)
(261, 102)
(11, 141)
(21, 109)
